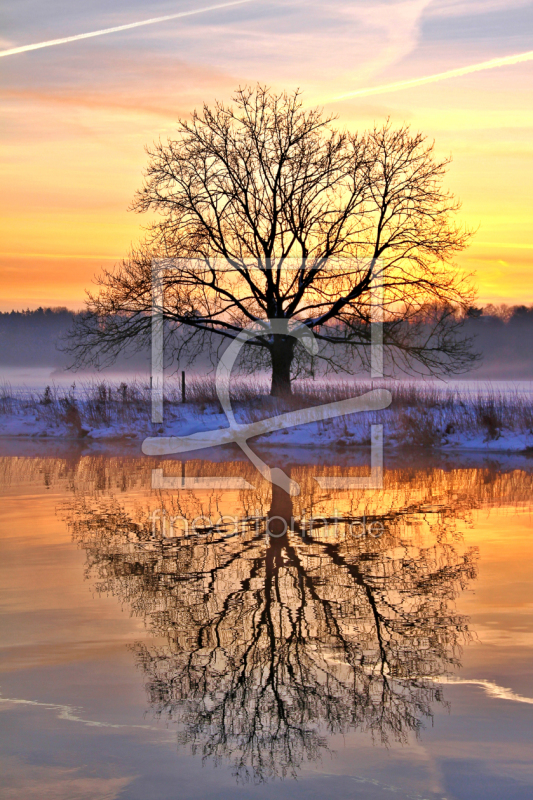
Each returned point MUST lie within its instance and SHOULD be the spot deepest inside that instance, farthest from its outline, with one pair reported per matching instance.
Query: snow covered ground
(432, 417)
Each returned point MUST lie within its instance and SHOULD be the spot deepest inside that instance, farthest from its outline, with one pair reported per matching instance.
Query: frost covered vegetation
(427, 415)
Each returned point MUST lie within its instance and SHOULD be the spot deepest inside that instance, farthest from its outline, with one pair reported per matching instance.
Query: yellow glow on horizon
(67, 187)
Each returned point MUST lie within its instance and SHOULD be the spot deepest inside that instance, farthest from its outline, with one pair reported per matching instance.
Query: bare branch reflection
(270, 645)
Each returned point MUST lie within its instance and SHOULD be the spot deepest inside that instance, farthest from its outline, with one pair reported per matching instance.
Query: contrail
(439, 76)
(52, 42)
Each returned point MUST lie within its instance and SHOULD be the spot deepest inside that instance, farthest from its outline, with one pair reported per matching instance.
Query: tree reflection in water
(272, 645)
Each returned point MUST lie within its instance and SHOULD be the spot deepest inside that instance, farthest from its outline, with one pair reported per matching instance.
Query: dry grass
(421, 414)
(86, 406)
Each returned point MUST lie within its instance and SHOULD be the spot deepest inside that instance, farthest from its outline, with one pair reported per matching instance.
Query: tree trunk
(281, 508)
(281, 353)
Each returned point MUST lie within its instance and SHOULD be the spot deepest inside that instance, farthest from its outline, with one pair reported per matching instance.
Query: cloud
(77, 37)
(36, 782)
(71, 714)
(164, 88)
(286, 43)
(491, 689)
(393, 29)
(439, 76)
(462, 8)
(311, 44)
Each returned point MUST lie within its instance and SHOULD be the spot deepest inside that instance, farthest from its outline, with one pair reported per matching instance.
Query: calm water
(140, 661)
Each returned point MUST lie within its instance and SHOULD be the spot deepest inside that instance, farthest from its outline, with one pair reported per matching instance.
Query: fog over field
(31, 346)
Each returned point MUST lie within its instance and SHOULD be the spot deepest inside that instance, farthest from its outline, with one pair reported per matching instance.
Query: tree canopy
(264, 210)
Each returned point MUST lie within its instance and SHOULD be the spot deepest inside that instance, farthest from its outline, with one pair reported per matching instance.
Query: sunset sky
(76, 116)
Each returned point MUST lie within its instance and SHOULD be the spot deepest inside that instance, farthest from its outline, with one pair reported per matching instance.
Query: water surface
(381, 646)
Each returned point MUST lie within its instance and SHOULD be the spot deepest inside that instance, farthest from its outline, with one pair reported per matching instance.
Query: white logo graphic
(238, 433)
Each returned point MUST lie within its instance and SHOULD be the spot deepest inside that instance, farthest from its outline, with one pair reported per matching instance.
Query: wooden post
(182, 385)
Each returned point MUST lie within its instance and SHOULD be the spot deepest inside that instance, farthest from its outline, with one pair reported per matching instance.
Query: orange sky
(76, 118)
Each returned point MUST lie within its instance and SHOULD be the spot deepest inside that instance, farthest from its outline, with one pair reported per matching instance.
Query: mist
(31, 340)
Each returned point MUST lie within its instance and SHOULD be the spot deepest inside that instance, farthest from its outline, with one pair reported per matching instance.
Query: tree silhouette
(265, 211)
(275, 643)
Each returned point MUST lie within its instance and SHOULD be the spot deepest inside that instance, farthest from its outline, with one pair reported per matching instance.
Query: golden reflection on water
(267, 646)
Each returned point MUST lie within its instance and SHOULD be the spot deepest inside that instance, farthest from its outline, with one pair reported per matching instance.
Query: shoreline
(417, 418)
(294, 454)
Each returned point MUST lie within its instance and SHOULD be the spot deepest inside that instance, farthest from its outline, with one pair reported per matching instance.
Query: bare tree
(272, 213)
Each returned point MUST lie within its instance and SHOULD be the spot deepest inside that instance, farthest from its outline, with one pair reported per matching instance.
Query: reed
(424, 414)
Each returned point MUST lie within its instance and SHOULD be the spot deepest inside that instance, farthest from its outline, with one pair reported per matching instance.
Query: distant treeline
(32, 339)
(503, 334)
